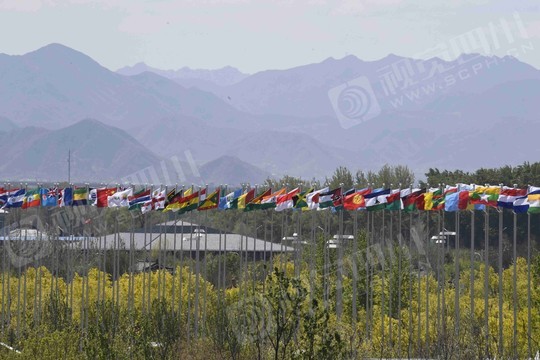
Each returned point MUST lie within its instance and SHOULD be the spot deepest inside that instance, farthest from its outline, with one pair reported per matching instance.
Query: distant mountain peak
(59, 51)
(224, 76)
(231, 170)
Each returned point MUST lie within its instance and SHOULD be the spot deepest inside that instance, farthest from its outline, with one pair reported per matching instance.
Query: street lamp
(438, 239)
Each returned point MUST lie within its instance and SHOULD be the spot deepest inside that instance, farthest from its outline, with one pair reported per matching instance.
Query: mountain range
(424, 113)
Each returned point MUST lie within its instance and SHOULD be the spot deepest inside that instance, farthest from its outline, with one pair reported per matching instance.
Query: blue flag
(451, 202)
(48, 197)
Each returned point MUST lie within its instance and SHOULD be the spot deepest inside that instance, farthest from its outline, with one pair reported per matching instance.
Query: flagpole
(443, 281)
(500, 263)
(8, 272)
(381, 249)
(36, 265)
(486, 280)
(514, 286)
(149, 257)
(419, 286)
(83, 307)
(190, 271)
(254, 242)
(225, 253)
(131, 286)
(400, 277)
(529, 330)
(472, 279)
(181, 275)
(410, 284)
(4, 227)
(145, 252)
(456, 276)
(175, 253)
(205, 277)
(368, 259)
(371, 275)
(100, 265)
(354, 271)
(312, 252)
(339, 287)
(440, 249)
(19, 275)
(391, 258)
(197, 267)
(160, 253)
(219, 258)
(427, 274)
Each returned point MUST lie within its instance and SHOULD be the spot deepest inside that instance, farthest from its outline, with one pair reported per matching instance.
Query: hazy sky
(259, 35)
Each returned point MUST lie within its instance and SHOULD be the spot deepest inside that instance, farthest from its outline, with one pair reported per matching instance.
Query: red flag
(102, 196)
(354, 201)
(463, 201)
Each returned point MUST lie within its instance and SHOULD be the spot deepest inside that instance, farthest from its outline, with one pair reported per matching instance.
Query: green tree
(341, 175)
(388, 174)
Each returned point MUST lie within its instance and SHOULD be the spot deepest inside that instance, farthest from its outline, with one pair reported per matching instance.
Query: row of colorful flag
(450, 198)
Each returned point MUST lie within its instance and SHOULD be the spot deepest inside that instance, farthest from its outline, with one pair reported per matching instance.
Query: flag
(376, 200)
(191, 202)
(313, 199)
(159, 197)
(92, 196)
(211, 202)
(120, 198)
(102, 196)
(48, 197)
(65, 197)
(508, 195)
(355, 200)
(15, 198)
(156, 202)
(176, 201)
(375, 203)
(265, 201)
(463, 199)
(490, 190)
(225, 201)
(32, 199)
(331, 198)
(171, 195)
(300, 199)
(393, 201)
(269, 202)
(533, 190)
(5, 194)
(411, 199)
(521, 205)
(286, 201)
(534, 203)
(137, 200)
(245, 199)
(451, 201)
(486, 199)
(80, 196)
(146, 207)
(256, 202)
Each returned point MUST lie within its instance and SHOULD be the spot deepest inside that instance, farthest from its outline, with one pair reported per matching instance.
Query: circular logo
(251, 318)
(354, 102)
(26, 242)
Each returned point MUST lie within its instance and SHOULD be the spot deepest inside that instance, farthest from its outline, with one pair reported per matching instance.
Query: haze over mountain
(231, 171)
(427, 113)
(98, 153)
(187, 77)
